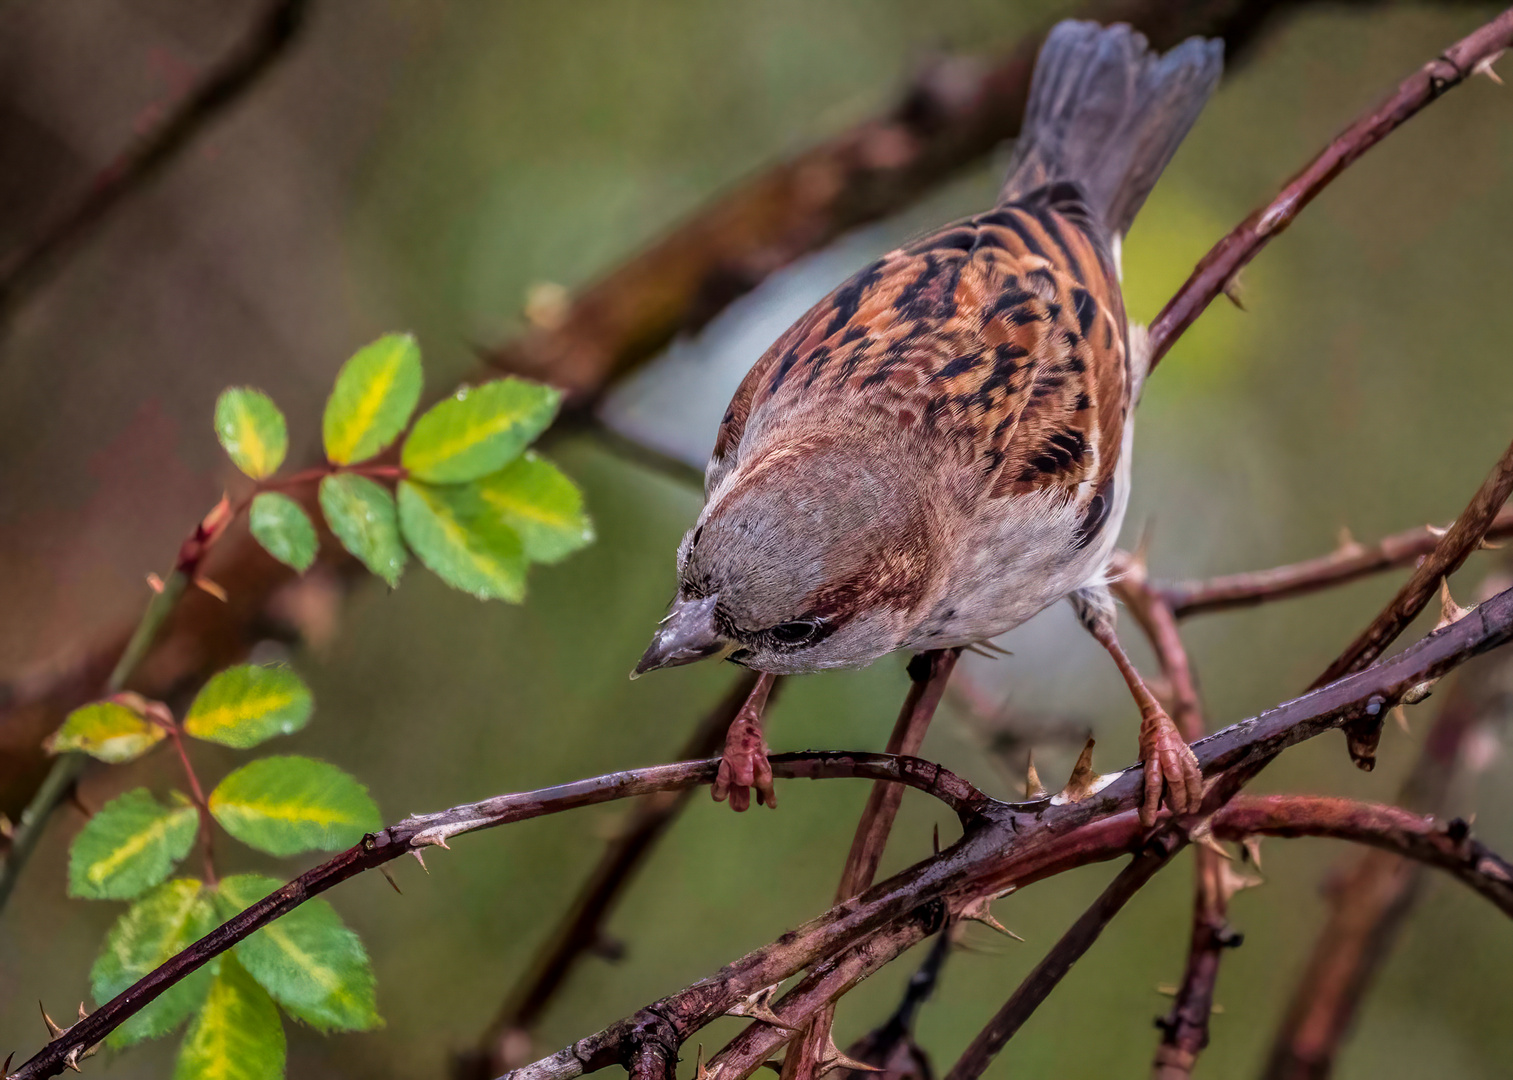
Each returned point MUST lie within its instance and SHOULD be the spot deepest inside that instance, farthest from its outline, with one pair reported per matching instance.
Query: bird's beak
(687, 634)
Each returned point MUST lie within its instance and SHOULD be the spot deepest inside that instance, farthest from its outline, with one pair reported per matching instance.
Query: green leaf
(237, 1035)
(107, 730)
(461, 542)
(478, 431)
(283, 528)
(131, 844)
(532, 497)
(252, 430)
(361, 514)
(314, 966)
(248, 704)
(375, 393)
(285, 805)
(161, 924)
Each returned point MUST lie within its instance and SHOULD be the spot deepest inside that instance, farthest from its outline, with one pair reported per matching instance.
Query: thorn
(1346, 544)
(155, 583)
(1449, 611)
(53, 1029)
(1400, 714)
(1418, 692)
(1438, 530)
(993, 646)
(546, 305)
(935, 840)
(1486, 545)
(205, 585)
(217, 520)
(384, 870)
(1234, 288)
(1206, 839)
(7, 827)
(83, 1015)
(832, 1059)
(1083, 777)
(700, 1070)
(72, 1060)
(980, 910)
(758, 1006)
(1166, 990)
(1484, 66)
(421, 859)
(1139, 560)
(5, 1070)
(1251, 846)
(427, 839)
(1232, 881)
(1033, 788)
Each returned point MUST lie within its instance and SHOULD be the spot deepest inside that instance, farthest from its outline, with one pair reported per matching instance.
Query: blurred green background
(419, 165)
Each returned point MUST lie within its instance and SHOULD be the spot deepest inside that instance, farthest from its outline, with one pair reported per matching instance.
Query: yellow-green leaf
(154, 929)
(283, 528)
(248, 704)
(314, 966)
(361, 515)
(375, 393)
(252, 430)
(237, 1035)
(461, 542)
(478, 430)
(130, 844)
(106, 730)
(286, 805)
(544, 507)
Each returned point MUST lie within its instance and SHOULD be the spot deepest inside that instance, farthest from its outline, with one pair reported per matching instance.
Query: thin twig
(1217, 270)
(928, 673)
(269, 38)
(1349, 562)
(581, 927)
(1184, 1030)
(1464, 537)
(1038, 984)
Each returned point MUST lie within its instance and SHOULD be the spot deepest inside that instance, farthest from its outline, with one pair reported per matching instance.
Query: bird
(940, 448)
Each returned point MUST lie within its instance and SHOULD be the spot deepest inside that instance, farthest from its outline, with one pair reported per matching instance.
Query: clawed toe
(1170, 765)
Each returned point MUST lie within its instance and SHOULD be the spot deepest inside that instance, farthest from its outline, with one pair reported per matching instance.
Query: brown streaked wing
(1000, 338)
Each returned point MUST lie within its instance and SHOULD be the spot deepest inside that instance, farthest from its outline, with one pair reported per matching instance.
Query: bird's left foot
(1169, 763)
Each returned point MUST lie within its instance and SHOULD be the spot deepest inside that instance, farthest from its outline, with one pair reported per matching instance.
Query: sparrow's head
(804, 558)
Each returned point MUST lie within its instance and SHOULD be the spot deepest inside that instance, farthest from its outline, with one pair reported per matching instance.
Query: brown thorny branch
(1260, 739)
(1003, 847)
(272, 32)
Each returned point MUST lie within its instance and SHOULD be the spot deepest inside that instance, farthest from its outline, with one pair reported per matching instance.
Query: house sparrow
(940, 448)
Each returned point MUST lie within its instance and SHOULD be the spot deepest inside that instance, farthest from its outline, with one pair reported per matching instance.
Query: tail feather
(1106, 113)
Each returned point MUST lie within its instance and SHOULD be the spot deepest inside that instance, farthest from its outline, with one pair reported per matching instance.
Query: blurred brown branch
(273, 31)
(1348, 562)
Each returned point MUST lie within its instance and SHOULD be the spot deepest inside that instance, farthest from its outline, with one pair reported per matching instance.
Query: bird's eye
(795, 633)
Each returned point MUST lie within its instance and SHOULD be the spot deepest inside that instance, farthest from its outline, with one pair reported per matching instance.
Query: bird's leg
(1168, 760)
(744, 764)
